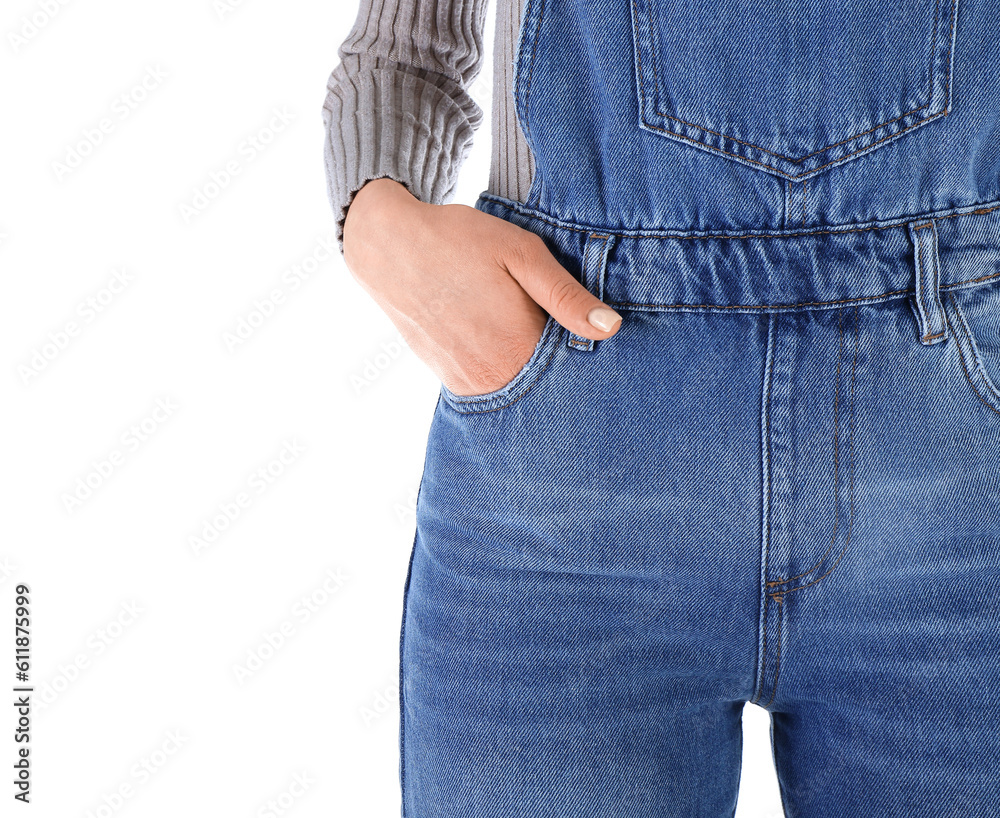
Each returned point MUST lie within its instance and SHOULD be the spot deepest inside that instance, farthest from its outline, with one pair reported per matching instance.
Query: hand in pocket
(469, 292)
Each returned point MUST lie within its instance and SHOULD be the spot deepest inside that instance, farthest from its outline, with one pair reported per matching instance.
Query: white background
(158, 590)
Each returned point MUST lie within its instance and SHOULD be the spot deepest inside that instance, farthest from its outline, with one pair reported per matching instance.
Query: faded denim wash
(779, 482)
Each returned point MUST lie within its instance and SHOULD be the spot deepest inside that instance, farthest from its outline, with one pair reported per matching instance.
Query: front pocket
(520, 384)
(792, 88)
(973, 317)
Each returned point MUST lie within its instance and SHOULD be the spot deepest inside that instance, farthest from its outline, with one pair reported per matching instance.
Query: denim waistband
(776, 270)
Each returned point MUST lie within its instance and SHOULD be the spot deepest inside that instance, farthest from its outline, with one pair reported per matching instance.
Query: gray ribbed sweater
(398, 103)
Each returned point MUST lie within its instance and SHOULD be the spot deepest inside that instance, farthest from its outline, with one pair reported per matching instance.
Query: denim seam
(780, 599)
(531, 68)
(534, 187)
(836, 462)
(935, 45)
(402, 637)
(974, 347)
(987, 382)
(805, 173)
(850, 521)
(763, 661)
(957, 285)
(980, 209)
(766, 476)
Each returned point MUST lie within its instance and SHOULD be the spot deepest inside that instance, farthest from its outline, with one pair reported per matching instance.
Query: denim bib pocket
(792, 89)
(518, 386)
(973, 317)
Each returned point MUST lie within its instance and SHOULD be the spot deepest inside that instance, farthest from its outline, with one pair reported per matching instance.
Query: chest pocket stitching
(935, 44)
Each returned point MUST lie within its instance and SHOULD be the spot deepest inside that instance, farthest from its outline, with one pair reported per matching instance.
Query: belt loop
(926, 304)
(595, 265)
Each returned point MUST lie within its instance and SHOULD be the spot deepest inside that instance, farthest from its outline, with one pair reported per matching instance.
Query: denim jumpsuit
(779, 482)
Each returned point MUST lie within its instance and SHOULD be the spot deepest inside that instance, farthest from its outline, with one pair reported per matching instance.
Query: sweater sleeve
(397, 104)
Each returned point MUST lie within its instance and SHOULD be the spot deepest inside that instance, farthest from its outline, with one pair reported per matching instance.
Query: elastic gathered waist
(771, 271)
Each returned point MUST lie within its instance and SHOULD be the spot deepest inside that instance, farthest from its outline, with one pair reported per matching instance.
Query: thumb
(555, 289)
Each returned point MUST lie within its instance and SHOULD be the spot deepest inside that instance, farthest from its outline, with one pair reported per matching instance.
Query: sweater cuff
(387, 123)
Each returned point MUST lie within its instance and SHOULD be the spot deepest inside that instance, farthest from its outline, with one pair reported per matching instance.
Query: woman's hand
(467, 291)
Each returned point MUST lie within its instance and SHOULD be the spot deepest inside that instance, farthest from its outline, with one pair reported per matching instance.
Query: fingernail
(604, 318)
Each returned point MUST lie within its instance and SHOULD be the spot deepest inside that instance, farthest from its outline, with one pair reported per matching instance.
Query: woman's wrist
(379, 202)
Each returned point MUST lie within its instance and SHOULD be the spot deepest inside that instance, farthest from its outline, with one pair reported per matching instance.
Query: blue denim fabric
(779, 482)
